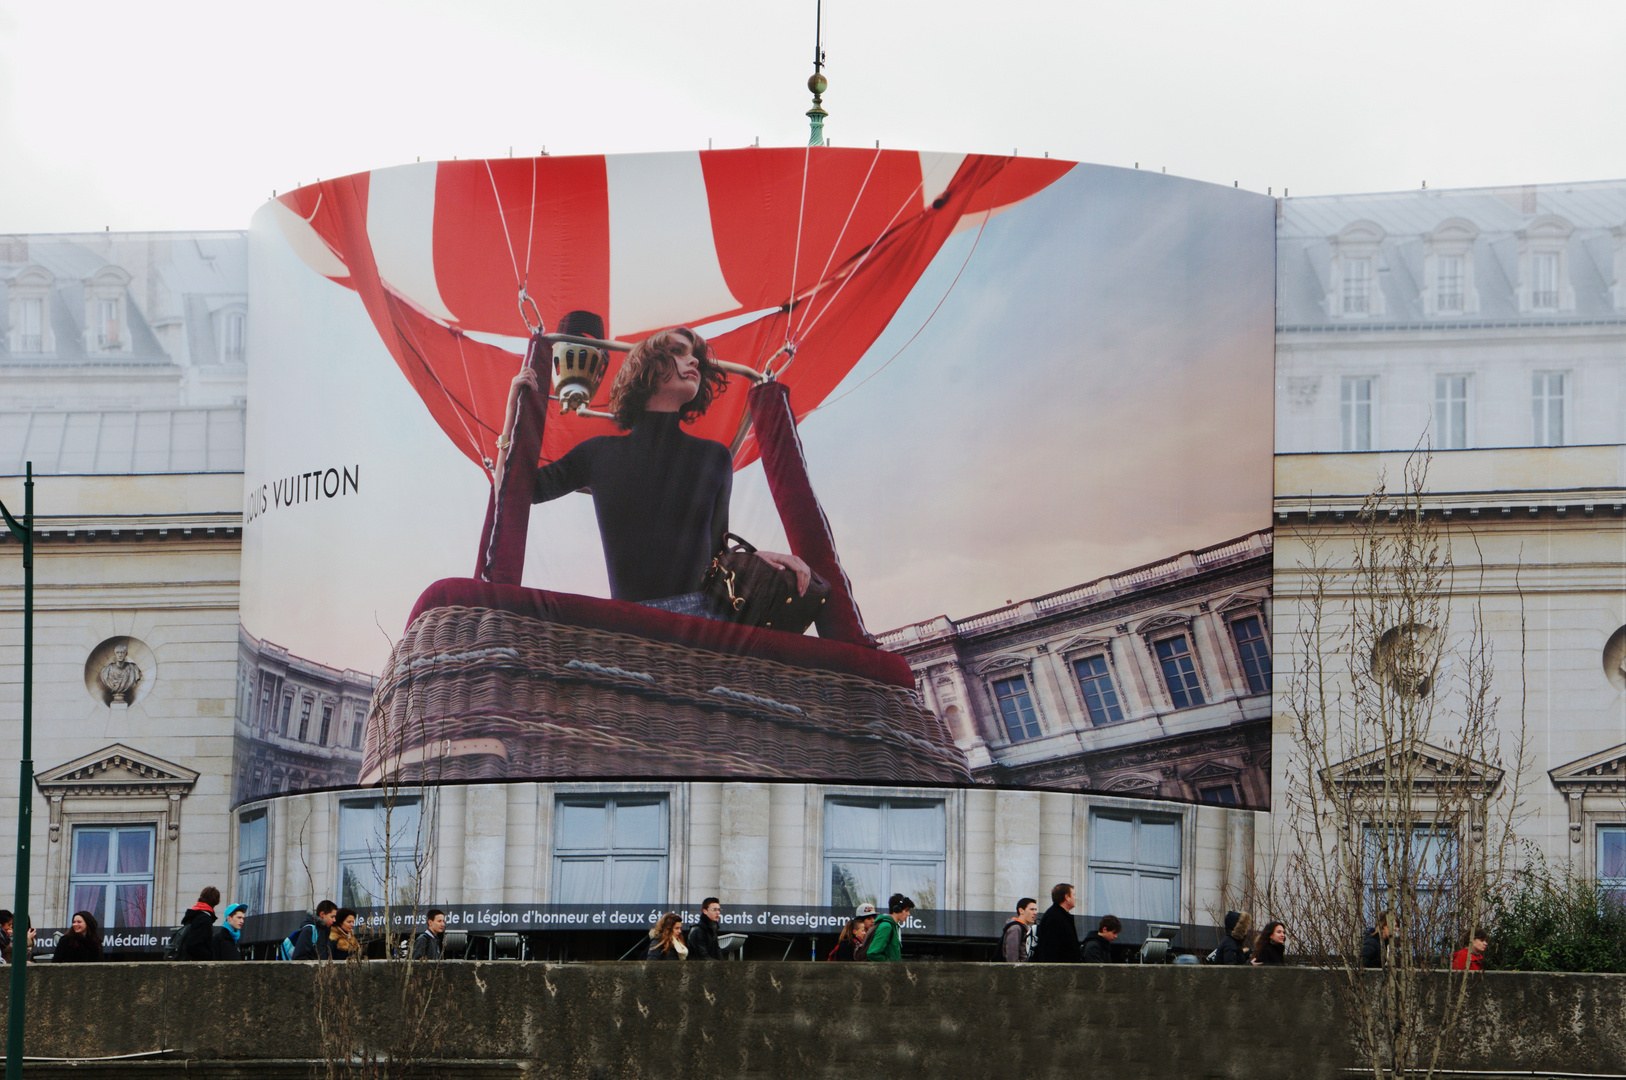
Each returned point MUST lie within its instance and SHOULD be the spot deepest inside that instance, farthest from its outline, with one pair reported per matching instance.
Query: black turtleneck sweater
(661, 496)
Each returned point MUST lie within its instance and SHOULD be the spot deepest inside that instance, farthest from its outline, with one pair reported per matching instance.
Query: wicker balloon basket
(484, 694)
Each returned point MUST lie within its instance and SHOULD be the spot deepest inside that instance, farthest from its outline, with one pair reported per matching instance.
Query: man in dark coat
(1376, 938)
(310, 940)
(703, 938)
(198, 928)
(1097, 948)
(1058, 937)
(1233, 945)
(430, 944)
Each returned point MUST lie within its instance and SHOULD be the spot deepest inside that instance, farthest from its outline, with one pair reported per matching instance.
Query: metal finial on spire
(818, 83)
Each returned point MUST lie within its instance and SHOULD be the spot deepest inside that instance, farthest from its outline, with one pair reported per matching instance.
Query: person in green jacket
(886, 941)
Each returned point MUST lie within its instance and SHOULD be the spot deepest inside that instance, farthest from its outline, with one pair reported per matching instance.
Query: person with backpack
(1014, 946)
(887, 941)
(1097, 947)
(310, 941)
(430, 944)
(227, 941)
(195, 939)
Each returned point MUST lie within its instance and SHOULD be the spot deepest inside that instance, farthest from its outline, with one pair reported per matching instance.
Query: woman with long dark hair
(1270, 947)
(82, 943)
(661, 494)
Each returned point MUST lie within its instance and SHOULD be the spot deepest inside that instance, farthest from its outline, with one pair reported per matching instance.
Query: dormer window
(29, 313)
(30, 325)
(107, 325)
(1448, 268)
(1357, 286)
(1353, 291)
(106, 318)
(1448, 283)
(1544, 283)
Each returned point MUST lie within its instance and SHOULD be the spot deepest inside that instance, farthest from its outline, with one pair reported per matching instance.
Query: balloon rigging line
(416, 348)
(468, 380)
(836, 247)
(530, 235)
(983, 225)
(801, 214)
(867, 252)
(503, 217)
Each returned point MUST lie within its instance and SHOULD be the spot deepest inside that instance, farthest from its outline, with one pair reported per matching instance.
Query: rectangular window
(357, 728)
(1255, 653)
(235, 335)
(1544, 281)
(1357, 286)
(1219, 794)
(251, 847)
(267, 689)
(287, 708)
(305, 719)
(107, 324)
(31, 334)
(1431, 855)
(1179, 673)
(1355, 407)
(1612, 861)
(379, 845)
(1095, 681)
(1547, 407)
(1448, 283)
(610, 849)
(1016, 707)
(1451, 412)
(876, 847)
(1134, 865)
(112, 874)
(327, 725)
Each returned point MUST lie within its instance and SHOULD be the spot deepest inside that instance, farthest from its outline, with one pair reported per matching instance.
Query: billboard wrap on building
(1007, 421)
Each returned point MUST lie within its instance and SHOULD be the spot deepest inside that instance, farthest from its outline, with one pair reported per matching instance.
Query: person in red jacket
(1473, 957)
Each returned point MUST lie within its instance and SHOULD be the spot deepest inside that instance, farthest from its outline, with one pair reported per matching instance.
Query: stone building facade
(1154, 682)
(1537, 536)
(1460, 319)
(122, 382)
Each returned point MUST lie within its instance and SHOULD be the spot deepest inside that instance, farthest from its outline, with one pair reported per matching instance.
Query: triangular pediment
(116, 769)
(1603, 771)
(1429, 766)
(1166, 621)
(1004, 662)
(1212, 770)
(1238, 601)
(1084, 642)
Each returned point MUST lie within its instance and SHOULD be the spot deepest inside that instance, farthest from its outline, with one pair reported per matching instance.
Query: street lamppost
(23, 531)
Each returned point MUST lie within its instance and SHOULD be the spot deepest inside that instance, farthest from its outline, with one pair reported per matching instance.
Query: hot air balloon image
(782, 266)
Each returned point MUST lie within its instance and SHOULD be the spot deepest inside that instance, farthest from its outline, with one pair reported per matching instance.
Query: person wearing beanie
(227, 942)
(198, 928)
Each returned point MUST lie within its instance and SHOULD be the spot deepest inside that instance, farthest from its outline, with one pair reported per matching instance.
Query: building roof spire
(818, 83)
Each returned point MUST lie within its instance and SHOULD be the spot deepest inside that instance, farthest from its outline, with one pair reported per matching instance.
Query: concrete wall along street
(615, 1021)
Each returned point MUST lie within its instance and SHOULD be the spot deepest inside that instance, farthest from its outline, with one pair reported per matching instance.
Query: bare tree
(388, 1024)
(1403, 786)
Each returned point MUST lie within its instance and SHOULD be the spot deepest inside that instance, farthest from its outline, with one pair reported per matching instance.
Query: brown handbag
(752, 592)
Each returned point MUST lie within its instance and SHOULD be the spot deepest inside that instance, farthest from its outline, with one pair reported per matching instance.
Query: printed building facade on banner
(1155, 681)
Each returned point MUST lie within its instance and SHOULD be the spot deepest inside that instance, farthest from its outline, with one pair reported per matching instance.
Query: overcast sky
(169, 115)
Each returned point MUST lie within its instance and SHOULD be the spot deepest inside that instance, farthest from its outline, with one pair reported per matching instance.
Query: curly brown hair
(649, 364)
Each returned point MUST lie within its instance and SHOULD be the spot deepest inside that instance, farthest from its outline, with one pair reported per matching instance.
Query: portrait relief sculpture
(120, 676)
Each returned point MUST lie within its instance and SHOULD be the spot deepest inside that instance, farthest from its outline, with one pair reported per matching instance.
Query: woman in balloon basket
(661, 495)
